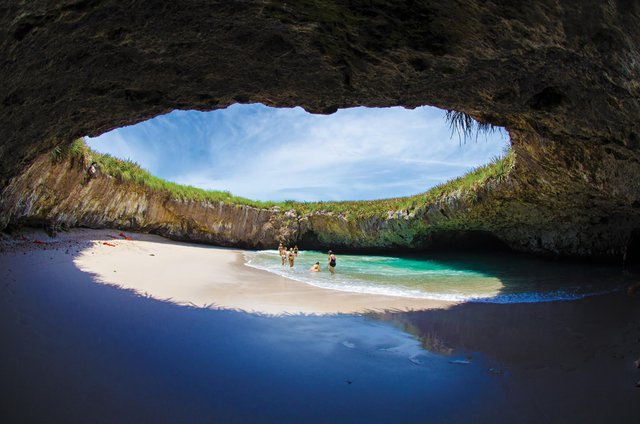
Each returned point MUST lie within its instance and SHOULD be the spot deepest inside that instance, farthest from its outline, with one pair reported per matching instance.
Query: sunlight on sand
(213, 277)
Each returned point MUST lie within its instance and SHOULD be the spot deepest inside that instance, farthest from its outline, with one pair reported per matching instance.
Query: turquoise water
(496, 278)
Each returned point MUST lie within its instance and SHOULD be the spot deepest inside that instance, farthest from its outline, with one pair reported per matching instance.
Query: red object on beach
(38, 242)
(108, 244)
(124, 236)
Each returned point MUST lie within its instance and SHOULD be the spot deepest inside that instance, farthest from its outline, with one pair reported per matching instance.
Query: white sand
(216, 277)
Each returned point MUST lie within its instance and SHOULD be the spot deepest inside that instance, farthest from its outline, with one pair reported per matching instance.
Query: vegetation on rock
(466, 186)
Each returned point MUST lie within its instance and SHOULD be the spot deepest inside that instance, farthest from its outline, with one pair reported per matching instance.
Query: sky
(265, 153)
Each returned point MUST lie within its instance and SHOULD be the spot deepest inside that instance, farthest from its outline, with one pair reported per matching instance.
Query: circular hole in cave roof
(266, 153)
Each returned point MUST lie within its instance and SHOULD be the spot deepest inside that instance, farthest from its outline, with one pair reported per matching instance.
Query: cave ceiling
(561, 76)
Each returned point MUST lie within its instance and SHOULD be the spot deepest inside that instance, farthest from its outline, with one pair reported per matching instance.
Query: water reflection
(559, 334)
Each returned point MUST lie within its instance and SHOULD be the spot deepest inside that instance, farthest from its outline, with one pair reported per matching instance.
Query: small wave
(344, 284)
(554, 296)
(351, 288)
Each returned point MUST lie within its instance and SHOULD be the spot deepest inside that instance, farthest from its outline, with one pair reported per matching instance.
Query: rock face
(562, 76)
(59, 194)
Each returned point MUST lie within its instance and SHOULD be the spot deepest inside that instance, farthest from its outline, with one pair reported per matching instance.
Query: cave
(561, 76)
(567, 94)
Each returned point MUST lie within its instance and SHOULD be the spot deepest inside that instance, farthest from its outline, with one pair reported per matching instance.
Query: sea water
(496, 278)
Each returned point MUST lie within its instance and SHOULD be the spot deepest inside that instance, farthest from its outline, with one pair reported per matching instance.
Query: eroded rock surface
(562, 76)
(59, 194)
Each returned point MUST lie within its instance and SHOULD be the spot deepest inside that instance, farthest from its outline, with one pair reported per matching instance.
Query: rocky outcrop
(562, 76)
(59, 194)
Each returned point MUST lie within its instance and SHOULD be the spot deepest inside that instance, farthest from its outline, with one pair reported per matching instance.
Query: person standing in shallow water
(283, 255)
(332, 262)
(292, 257)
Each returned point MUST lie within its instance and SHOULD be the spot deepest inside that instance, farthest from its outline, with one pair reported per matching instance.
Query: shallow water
(495, 278)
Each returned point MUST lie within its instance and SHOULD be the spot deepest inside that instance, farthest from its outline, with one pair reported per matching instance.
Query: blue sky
(268, 153)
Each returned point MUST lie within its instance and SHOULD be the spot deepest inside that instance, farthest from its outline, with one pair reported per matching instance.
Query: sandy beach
(82, 345)
(215, 277)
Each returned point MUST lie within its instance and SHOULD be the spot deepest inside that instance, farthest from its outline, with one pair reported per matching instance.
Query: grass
(465, 187)
(465, 126)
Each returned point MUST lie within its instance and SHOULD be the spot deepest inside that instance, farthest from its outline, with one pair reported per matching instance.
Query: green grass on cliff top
(127, 171)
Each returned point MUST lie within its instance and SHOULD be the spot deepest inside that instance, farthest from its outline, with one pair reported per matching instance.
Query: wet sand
(214, 277)
(75, 350)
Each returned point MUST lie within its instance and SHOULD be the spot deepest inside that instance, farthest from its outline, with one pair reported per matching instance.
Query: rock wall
(561, 75)
(59, 194)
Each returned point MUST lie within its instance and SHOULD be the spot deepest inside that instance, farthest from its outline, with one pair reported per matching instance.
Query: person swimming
(315, 267)
(332, 262)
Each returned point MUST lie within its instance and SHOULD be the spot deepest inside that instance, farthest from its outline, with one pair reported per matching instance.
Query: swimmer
(283, 255)
(315, 267)
(332, 262)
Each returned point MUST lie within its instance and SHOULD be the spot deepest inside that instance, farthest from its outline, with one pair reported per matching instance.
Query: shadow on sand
(76, 351)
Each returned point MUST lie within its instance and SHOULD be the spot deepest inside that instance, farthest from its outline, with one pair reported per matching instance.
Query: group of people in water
(291, 254)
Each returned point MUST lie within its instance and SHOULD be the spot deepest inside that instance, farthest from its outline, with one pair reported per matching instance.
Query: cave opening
(277, 154)
(561, 75)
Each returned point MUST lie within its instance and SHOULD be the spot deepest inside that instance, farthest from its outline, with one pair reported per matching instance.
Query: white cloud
(265, 153)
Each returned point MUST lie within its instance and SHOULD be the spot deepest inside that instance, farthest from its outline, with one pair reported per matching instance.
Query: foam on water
(455, 277)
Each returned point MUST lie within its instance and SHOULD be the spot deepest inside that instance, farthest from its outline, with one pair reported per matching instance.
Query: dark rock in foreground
(561, 76)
